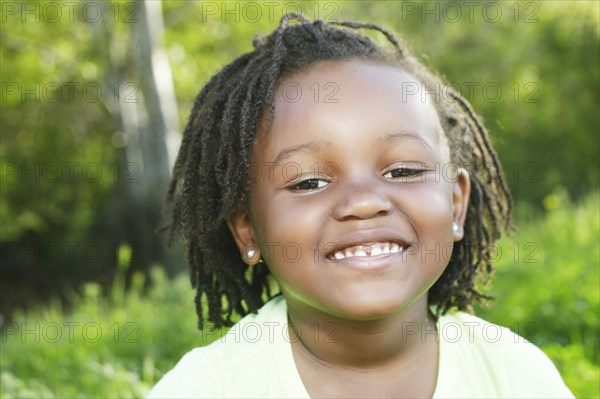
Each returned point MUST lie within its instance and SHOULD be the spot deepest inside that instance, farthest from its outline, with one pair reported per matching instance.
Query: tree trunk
(147, 118)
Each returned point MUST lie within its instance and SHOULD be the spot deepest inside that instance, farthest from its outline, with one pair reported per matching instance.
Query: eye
(309, 184)
(403, 173)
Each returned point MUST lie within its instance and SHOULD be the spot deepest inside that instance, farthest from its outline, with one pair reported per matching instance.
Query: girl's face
(352, 198)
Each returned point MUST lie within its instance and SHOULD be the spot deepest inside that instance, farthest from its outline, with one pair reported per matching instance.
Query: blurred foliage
(547, 289)
(533, 256)
(121, 345)
(117, 346)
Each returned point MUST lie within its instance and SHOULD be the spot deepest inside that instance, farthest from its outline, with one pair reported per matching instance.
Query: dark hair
(211, 178)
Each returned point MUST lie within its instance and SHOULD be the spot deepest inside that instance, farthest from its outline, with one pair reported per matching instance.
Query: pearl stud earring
(251, 253)
(455, 227)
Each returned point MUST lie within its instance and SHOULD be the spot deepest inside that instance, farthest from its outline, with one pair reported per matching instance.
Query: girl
(351, 176)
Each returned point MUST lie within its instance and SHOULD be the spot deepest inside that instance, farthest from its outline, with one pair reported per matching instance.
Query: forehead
(351, 100)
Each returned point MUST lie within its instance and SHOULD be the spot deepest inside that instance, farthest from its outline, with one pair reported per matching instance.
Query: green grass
(547, 289)
(141, 338)
(124, 342)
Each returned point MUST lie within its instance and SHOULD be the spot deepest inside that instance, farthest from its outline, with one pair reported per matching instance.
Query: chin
(373, 307)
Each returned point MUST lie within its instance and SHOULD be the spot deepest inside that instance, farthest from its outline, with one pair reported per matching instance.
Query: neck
(332, 341)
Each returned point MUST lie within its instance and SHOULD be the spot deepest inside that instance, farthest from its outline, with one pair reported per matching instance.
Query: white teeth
(376, 250)
(373, 250)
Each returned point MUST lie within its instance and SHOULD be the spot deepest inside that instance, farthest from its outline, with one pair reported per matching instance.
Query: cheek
(430, 209)
(288, 229)
(288, 236)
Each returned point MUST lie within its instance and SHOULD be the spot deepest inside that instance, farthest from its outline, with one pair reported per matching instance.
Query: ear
(460, 201)
(241, 229)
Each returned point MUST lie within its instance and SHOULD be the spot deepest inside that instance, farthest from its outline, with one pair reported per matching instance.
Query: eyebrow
(402, 136)
(314, 146)
(311, 146)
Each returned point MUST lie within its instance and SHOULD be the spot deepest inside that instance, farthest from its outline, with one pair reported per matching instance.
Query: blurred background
(95, 95)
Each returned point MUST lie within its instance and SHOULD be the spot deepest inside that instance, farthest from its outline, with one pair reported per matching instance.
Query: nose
(362, 201)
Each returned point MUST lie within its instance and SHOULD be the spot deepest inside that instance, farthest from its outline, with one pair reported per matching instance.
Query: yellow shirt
(254, 359)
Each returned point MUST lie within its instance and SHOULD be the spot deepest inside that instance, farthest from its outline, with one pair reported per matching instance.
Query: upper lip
(366, 237)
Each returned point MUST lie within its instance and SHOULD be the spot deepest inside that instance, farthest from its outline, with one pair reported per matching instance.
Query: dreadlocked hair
(211, 178)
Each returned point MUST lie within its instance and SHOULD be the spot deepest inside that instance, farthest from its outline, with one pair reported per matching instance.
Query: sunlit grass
(547, 288)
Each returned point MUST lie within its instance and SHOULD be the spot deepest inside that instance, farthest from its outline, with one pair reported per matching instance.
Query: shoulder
(235, 360)
(190, 378)
(504, 362)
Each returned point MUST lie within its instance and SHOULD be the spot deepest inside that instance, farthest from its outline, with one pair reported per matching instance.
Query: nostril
(363, 206)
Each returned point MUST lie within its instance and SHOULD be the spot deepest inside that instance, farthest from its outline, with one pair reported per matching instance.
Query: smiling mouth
(367, 250)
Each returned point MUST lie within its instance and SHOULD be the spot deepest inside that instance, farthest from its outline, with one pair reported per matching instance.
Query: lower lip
(376, 262)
